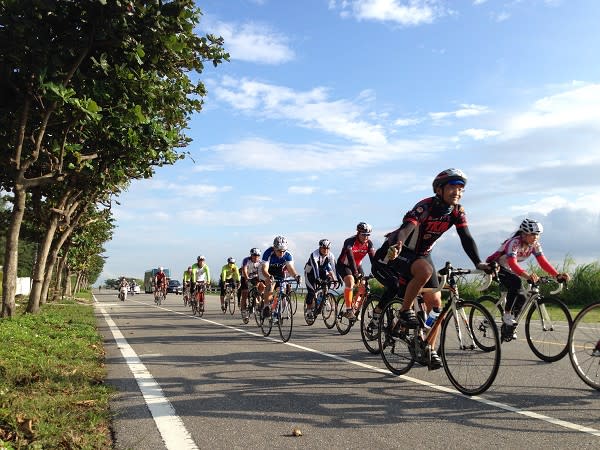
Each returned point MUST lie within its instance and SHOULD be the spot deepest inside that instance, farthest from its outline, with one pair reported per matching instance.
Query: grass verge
(52, 392)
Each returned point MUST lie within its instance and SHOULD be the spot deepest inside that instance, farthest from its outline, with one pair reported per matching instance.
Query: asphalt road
(229, 387)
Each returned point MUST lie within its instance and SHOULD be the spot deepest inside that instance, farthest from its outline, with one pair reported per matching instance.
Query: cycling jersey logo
(437, 227)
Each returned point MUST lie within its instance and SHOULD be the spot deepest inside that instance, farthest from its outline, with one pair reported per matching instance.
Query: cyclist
(200, 275)
(516, 249)
(403, 263)
(187, 283)
(123, 287)
(160, 282)
(349, 266)
(230, 274)
(249, 275)
(275, 261)
(319, 268)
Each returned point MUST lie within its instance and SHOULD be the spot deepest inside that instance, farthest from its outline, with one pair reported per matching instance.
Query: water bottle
(432, 317)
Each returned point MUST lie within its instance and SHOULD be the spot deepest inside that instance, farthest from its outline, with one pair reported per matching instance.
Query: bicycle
(122, 293)
(470, 368)
(283, 314)
(159, 296)
(584, 345)
(546, 336)
(186, 293)
(324, 304)
(252, 300)
(197, 301)
(361, 292)
(230, 299)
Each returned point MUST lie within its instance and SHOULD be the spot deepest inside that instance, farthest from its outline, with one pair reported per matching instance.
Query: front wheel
(232, 302)
(470, 368)
(584, 345)
(310, 318)
(547, 328)
(266, 322)
(285, 312)
(342, 323)
(369, 327)
(328, 311)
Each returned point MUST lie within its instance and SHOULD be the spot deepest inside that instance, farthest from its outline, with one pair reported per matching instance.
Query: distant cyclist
(230, 274)
(249, 277)
(349, 266)
(403, 263)
(276, 260)
(516, 249)
(320, 268)
(200, 272)
(187, 278)
(160, 282)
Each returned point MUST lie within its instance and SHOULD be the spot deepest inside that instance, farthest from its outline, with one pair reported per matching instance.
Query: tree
(93, 88)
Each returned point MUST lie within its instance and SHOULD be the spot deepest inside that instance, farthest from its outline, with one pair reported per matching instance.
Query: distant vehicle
(175, 287)
(134, 288)
(149, 277)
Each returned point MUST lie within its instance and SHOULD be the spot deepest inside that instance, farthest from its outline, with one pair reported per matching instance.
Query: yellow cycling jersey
(230, 271)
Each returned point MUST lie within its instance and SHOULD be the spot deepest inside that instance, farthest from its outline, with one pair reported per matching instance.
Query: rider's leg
(421, 271)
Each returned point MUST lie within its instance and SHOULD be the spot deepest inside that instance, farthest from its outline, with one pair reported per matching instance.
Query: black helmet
(448, 176)
(364, 227)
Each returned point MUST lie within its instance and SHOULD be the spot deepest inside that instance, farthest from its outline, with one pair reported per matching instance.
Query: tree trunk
(11, 254)
(33, 306)
(67, 292)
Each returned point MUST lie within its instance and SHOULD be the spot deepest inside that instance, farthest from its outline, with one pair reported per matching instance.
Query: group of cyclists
(402, 264)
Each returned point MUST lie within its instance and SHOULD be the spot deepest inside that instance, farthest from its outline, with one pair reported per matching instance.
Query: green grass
(52, 392)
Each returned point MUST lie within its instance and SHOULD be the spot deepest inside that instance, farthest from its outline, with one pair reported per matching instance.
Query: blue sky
(335, 112)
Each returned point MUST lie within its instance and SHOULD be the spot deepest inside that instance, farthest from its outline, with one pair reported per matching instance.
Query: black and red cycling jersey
(160, 278)
(353, 252)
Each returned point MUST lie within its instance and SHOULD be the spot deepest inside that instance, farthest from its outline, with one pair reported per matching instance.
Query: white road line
(170, 426)
(530, 414)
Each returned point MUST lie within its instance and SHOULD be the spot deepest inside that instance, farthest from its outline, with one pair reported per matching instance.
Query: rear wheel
(369, 328)
(286, 317)
(266, 322)
(485, 336)
(293, 301)
(328, 311)
(310, 318)
(584, 345)
(470, 369)
(397, 352)
(547, 328)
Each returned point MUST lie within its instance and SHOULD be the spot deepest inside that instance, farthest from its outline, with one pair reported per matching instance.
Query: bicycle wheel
(286, 317)
(201, 303)
(369, 328)
(470, 369)
(397, 351)
(342, 323)
(547, 328)
(258, 312)
(231, 300)
(484, 338)
(266, 322)
(194, 305)
(584, 345)
(310, 319)
(328, 311)
(293, 297)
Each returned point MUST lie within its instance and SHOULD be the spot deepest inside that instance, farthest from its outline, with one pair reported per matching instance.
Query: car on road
(175, 287)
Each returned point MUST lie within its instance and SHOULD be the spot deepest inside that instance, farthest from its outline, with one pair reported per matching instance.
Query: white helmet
(280, 243)
(531, 226)
(160, 269)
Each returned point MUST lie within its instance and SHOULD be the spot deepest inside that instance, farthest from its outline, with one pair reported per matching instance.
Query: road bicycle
(252, 300)
(361, 293)
(584, 345)
(159, 296)
(186, 293)
(122, 293)
(282, 313)
(547, 319)
(230, 299)
(323, 304)
(198, 301)
(470, 368)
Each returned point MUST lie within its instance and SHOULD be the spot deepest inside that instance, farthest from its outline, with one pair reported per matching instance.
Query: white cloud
(479, 134)
(405, 13)
(407, 122)
(254, 42)
(304, 190)
(466, 110)
(310, 109)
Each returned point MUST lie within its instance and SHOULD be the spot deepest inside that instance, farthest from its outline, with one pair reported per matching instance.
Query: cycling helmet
(230, 260)
(201, 258)
(364, 227)
(531, 226)
(254, 251)
(454, 176)
(324, 243)
(160, 269)
(280, 243)
(189, 267)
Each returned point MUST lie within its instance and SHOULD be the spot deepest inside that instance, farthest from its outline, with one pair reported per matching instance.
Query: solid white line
(530, 414)
(170, 426)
